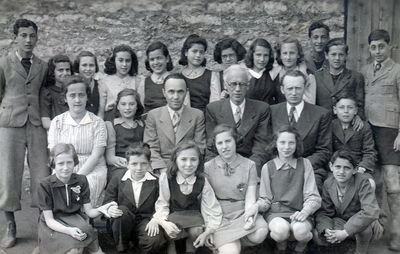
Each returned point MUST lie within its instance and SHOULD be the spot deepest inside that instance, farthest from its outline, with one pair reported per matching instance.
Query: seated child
(135, 191)
(288, 210)
(63, 227)
(187, 202)
(349, 207)
(359, 143)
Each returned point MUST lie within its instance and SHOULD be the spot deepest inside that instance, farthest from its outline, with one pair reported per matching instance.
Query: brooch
(77, 190)
(241, 187)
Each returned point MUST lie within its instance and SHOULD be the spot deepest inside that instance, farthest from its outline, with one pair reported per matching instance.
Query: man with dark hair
(170, 125)
(318, 33)
(21, 131)
(382, 110)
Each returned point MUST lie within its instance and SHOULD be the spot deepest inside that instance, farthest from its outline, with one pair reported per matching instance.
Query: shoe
(9, 238)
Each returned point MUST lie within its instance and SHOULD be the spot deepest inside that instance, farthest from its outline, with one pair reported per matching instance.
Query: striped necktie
(175, 121)
(238, 117)
(292, 119)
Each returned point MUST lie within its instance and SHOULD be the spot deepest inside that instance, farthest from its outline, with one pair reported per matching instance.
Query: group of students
(201, 155)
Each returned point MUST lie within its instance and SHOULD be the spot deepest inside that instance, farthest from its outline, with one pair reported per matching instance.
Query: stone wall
(71, 26)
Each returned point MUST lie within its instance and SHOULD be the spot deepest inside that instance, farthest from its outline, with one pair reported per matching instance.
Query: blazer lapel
(333, 192)
(328, 81)
(18, 65)
(166, 124)
(343, 80)
(348, 196)
(226, 113)
(185, 124)
(128, 191)
(384, 71)
(338, 130)
(247, 119)
(305, 122)
(35, 68)
(349, 134)
(147, 189)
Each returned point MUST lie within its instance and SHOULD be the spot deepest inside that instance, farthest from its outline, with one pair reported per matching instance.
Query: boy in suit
(250, 117)
(349, 207)
(136, 192)
(336, 78)
(169, 125)
(312, 122)
(318, 33)
(382, 110)
(21, 131)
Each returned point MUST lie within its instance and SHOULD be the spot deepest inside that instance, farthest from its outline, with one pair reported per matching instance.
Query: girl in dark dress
(63, 196)
(86, 64)
(203, 84)
(159, 63)
(125, 129)
(227, 52)
(259, 59)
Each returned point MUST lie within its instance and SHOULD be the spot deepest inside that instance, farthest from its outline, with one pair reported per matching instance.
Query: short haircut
(343, 154)
(24, 23)
(190, 40)
(316, 25)
(51, 66)
(294, 73)
(379, 34)
(110, 67)
(138, 149)
(61, 148)
(336, 42)
(174, 76)
(75, 79)
(345, 95)
(172, 167)
(287, 40)
(249, 59)
(272, 148)
(235, 68)
(223, 127)
(154, 46)
(84, 54)
(135, 94)
(226, 44)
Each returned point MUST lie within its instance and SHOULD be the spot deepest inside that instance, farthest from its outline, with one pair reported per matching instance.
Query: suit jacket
(360, 143)
(314, 127)
(382, 92)
(359, 207)
(253, 132)
(159, 133)
(122, 193)
(348, 82)
(309, 61)
(19, 91)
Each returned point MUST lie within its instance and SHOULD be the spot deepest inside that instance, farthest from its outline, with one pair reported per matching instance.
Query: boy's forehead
(319, 30)
(346, 101)
(378, 42)
(27, 30)
(140, 157)
(343, 161)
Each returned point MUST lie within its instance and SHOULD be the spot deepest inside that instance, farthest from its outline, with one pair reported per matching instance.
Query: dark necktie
(175, 121)
(292, 119)
(377, 67)
(26, 62)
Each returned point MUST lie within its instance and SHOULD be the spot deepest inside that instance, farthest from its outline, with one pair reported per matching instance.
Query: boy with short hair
(349, 207)
(382, 110)
(318, 33)
(136, 191)
(360, 144)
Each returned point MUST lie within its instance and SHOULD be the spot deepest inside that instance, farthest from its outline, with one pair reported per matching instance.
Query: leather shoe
(9, 238)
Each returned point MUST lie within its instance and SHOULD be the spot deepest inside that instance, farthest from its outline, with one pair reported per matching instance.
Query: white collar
(280, 163)
(255, 74)
(172, 112)
(180, 179)
(20, 57)
(299, 108)
(85, 120)
(241, 106)
(147, 177)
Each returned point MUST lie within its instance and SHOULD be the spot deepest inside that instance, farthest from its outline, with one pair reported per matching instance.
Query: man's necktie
(377, 67)
(238, 117)
(26, 62)
(292, 119)
(175, 121)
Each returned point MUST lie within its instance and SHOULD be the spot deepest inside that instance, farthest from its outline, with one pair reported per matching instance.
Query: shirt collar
(20, 57)
(241, 106)
(235, 163)
(171, 111)
(255, 74)
(85, 120)
(57, 183)
(180, 179)
(299, 107)
(121, 121)
(280, 163)
(147, 177)
(382, 63)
